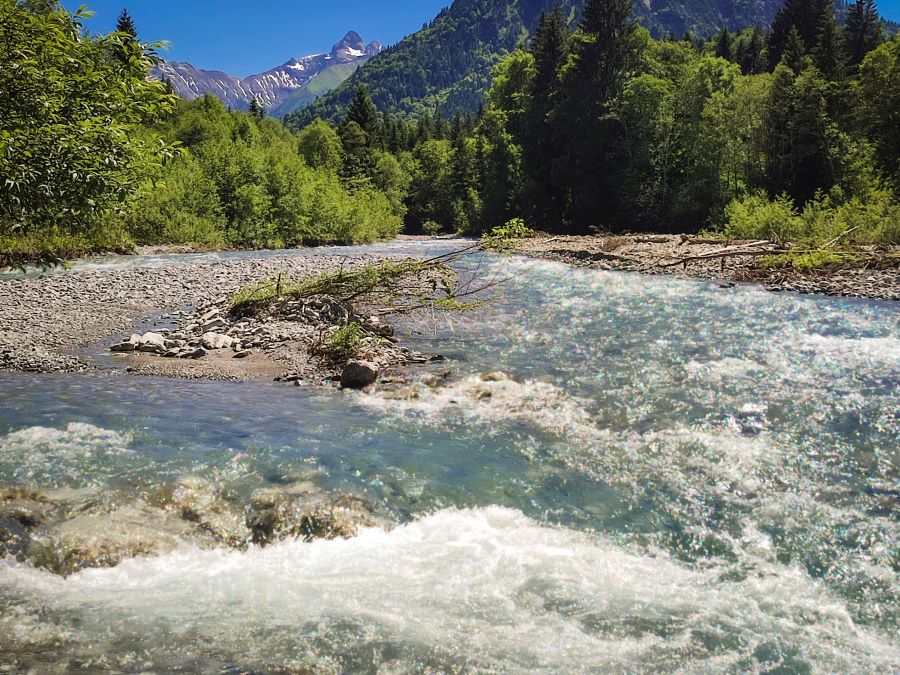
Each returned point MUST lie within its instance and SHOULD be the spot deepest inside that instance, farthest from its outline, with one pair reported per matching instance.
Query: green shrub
(827, 220)
(432, 228)
(500, 238)
(343, 344)
(755, 217)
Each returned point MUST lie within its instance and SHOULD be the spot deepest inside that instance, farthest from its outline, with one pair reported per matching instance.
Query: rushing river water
(677, 477)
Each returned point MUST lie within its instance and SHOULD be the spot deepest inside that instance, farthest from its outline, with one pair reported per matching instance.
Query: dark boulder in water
(358, 375)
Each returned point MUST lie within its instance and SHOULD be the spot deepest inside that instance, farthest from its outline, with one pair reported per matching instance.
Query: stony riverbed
(46, 318)
(659, 254)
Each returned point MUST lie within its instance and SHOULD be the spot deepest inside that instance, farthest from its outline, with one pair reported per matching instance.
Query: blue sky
(247, 37)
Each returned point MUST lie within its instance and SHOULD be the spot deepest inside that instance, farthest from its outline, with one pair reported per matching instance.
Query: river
(675, 477)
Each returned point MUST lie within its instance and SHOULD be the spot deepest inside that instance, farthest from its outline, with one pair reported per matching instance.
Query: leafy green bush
(70, 110)
(243, 181)
(501, 237)
(343, 344)
(827, 220)
(755, 217)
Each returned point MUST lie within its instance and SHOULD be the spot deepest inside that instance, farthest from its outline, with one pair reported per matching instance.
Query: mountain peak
(352, 40)
(274, 86)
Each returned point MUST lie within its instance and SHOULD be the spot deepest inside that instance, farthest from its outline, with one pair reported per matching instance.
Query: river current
(675, 477)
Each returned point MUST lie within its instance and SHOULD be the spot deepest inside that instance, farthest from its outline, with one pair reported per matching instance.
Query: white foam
(489, 588)
(45, 455)
(853, 353)
(475, 400)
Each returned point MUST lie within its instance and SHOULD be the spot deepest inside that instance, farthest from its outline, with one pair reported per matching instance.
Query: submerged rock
(104, 539)
(275, 515)
(199, 502)
(25, 507)
(358, 374)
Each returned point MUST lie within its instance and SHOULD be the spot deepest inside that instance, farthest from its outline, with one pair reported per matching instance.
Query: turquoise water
(676, 477)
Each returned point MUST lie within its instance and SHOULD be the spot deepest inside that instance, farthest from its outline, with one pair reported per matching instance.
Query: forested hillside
(791, 133)
(446, 65)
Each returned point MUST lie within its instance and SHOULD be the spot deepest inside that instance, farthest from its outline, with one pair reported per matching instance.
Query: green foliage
(501, 238)
(257, 296)
(755, 217)
(343, 343)
(386, 286)
(70, 109)
(447, 65)
(806, 261)
(320, 146)
(872, 218)
(878, 97)
(244, 182)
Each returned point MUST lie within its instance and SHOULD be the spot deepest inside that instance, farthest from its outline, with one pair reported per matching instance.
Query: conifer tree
(803, 15)
(863, 31)
(594, 140)
(550, 48)
(363, 111)
(125, 24)
(359, 162)
(830, 52)
(256, 108)
(794, 56)
(725, 45)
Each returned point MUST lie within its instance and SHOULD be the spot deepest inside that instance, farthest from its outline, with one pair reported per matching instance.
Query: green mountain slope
(446, 65)
(328, 79)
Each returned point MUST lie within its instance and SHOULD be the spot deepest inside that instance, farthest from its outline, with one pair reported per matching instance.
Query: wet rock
(495, 377)
(243, 354)
(274, 515)
(402, 394)
(358, 375)
(104, 539)
(14, 538)
(123, 347)
(199, 502)
(26, 507)
(481, 393)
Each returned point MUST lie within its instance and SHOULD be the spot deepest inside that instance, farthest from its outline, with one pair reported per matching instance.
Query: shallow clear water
(676, 478)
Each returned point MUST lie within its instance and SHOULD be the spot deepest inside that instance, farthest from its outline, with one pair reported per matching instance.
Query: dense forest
(791, 133)
(446, 66)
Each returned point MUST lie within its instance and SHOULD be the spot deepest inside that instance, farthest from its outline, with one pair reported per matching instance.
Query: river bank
(50, 320)
(712, 259)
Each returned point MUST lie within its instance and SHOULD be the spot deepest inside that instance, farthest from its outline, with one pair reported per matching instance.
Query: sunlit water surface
(677, 477)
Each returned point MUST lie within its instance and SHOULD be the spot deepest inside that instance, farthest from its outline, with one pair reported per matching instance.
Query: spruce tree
(830, 52)
(363, 111)
(594, 139)
(803, 15)
(550, 48)
(256, 108)
(125, 24)
(863, 31)
(359, 163)
(794, 56)
(725, 45)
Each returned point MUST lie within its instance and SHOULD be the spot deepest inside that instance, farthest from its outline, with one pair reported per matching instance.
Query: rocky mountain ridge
(274, 86)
